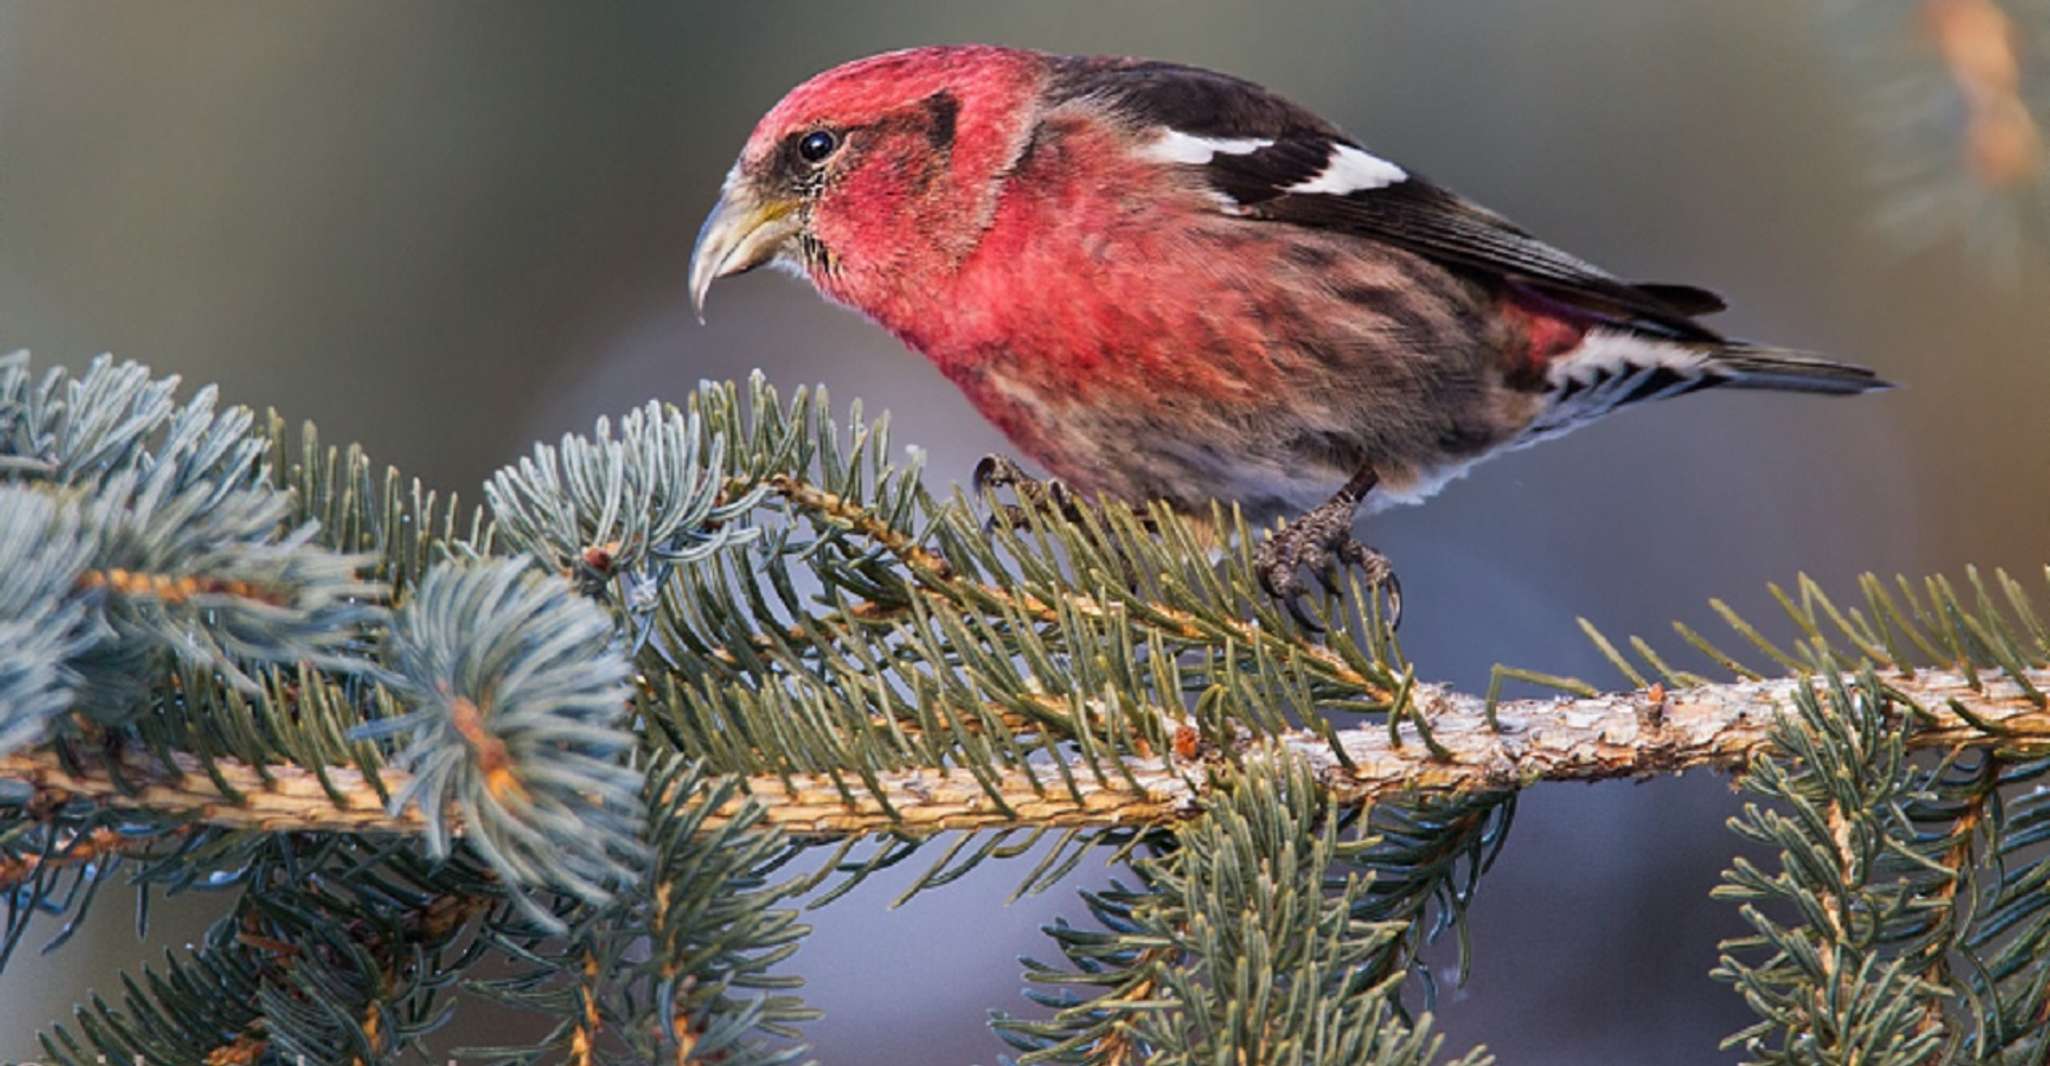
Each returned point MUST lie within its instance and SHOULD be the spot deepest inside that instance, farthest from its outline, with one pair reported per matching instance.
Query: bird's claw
(1381, 579)
(1321, 543)
(997, 472)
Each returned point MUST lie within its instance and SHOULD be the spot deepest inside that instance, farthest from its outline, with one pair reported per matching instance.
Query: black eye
(817, 145)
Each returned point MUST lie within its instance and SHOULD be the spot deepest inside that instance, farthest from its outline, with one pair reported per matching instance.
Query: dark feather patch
(1687, 299)
(1260, 175)
(1198, 102)
(1663, 382)
(942, 108)
(1577, 401)
(1314, 256)
(1397, 310)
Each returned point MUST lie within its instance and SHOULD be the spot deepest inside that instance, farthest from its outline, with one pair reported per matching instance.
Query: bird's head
(874, 178)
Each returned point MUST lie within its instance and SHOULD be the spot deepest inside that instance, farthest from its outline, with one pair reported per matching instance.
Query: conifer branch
(1585, 739)
(98, 844)
(674, 653)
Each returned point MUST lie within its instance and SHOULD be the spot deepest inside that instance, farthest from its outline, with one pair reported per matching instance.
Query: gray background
(451, 229)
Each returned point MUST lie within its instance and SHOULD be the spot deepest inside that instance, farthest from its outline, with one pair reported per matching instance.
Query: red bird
(1166, 283)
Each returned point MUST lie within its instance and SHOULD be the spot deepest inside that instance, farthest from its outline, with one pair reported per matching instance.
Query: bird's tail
(1746, 366)
(1611, 368)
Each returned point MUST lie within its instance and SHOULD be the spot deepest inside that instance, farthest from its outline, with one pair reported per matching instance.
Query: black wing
(1440, 225)
(1406, 211)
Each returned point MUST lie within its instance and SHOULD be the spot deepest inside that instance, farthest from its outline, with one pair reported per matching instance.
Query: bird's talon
(1265, 572)
(1391, 586)
(1379, 576)
(1004, 516)
(995, 472)
(1302, 618)
(1321, 543)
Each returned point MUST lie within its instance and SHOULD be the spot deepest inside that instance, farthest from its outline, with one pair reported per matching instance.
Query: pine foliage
(1254, 936)
(595, 697)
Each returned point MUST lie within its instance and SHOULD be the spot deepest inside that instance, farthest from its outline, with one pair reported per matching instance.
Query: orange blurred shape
(1977, 41)
(2005, 146)
(1976, 38)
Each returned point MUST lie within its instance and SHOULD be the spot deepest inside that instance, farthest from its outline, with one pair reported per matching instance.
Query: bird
(1164, 283)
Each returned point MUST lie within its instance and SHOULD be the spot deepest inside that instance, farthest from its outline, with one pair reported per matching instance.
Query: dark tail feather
(1742, 366)
(1686, 299)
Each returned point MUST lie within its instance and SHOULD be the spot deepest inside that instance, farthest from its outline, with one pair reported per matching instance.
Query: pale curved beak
(739, 235)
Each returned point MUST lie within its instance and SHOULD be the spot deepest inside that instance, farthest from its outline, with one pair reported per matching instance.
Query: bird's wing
(1355, 192)
(1271, 159)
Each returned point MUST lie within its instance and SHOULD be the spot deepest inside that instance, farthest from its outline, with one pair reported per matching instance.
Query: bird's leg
(1319, 541)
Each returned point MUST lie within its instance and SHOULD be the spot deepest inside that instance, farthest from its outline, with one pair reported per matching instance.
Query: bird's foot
(1052, 501)
(1321, 542)
(1049, 498)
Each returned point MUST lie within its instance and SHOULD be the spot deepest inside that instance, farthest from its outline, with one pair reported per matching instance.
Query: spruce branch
(1628, 735)
(98, 845)
(593, 719)
(602, 509)
(333, 956)
(517, 698)
(681, 967)
(77, 431)
(1238, 944)
(138, 534)
(1852, 976)
(2000, 947)
(43, 629)
(1426, 862)
(212, 579)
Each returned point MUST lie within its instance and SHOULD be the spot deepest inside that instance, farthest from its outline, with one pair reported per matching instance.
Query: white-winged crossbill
(1165, 283)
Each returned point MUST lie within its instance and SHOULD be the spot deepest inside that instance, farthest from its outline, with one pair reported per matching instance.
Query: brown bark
(1634, 734)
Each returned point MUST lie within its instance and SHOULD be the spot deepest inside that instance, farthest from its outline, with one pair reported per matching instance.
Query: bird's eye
(817, 145)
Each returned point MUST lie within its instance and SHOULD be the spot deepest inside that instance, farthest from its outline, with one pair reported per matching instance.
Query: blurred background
(451, 229)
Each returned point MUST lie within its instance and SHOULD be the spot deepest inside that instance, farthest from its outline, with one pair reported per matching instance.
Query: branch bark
(1635, 734)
